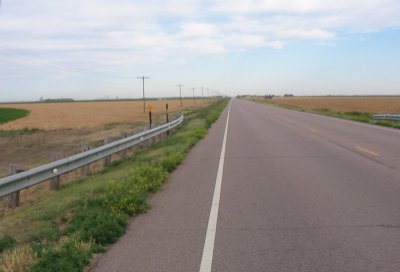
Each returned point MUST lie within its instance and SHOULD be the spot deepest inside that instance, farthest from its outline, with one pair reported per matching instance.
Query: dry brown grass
(78, 115)
(18, 260)
(344, 104)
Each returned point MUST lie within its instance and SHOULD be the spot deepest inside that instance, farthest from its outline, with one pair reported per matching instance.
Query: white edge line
(208, 250)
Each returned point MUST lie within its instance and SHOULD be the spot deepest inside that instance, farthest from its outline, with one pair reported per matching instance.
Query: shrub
(95, 223)
(172, 160)
(69, 257)
(6, 242)
(125, 196)
(152, 177)
(129, 195)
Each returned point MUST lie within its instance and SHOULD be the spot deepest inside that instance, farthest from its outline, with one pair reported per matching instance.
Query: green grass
(7, 242)
(94, 210)
(10, 114)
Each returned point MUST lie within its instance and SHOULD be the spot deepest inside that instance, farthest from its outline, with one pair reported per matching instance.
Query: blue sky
(96, 48)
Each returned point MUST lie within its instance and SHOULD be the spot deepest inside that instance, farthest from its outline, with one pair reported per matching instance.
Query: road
(298, 192)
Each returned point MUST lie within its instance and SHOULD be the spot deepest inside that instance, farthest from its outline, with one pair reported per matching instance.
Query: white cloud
(120, 32)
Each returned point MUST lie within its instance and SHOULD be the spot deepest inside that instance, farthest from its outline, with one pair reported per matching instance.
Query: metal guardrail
(390, 117)
(17, 182)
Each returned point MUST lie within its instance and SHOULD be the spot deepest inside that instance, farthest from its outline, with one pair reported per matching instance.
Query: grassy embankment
(363, 117)
(61, 232)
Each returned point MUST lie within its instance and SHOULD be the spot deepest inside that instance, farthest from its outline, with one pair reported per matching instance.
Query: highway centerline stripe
(316, 131)
(365, 150)
(208, 250)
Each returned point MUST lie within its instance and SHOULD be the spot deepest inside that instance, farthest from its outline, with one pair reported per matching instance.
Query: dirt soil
(373, 105)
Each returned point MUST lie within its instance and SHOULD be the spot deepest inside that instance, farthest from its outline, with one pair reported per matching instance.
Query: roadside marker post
(149, 110)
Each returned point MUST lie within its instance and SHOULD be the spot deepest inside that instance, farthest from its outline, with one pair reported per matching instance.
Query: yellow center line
(287, 121)
(365, 150)
(316, 131)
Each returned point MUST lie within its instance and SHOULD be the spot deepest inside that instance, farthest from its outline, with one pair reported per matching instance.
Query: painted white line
(208, 250)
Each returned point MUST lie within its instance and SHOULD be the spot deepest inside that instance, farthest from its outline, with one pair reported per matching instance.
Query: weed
(69, 257)
(20, 259)
(17, 132)
(172, 160)
(46, 231)
(95, 223)
(6, 242)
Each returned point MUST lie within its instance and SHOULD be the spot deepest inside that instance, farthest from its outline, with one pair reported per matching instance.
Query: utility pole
(144, 98)
(180, 92)
(202, 93)
(208, 92)
(194, 97)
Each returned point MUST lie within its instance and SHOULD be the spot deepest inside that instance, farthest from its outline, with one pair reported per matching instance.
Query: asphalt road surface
(273, 190)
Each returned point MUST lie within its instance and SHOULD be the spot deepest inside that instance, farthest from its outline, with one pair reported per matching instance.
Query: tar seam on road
(208, 250)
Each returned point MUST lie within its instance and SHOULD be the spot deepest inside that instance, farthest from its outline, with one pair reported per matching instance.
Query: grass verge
(61, 232)
(10, 114)
(354, 115)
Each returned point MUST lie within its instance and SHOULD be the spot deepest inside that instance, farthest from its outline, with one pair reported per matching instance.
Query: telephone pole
(180, 92)
(144, 98)
(194, 97)
(202, 93)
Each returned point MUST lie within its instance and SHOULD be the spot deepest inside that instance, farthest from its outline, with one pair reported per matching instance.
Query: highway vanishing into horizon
(271, 189)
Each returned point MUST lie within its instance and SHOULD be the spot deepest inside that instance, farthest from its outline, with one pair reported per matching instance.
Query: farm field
(77, 115)
(373, 105)
(10, 114)
(49, 127)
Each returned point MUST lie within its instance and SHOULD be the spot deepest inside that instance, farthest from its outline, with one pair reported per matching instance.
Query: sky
(95, 49)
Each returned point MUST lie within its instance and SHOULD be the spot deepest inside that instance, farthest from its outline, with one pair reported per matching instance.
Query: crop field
(373, 105)
(77, 115)
(10, 114)
(62, 127)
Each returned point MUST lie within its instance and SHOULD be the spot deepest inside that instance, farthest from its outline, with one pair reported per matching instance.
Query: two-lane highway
(303, 192)
(289, 191)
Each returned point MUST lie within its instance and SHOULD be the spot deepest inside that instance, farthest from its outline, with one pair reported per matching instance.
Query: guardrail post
(107, 160)
(85, 168)
(124, 152)
(13, 198)
(55, 182)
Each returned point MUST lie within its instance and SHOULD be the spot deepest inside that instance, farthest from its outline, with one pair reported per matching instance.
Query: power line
(180, 92)
(194, 97)
(144, 99)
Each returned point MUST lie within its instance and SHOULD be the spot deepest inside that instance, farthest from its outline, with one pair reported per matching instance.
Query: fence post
(107, 160)
(166, 109)
(55, 182)
(13, 198)
(85, 168)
